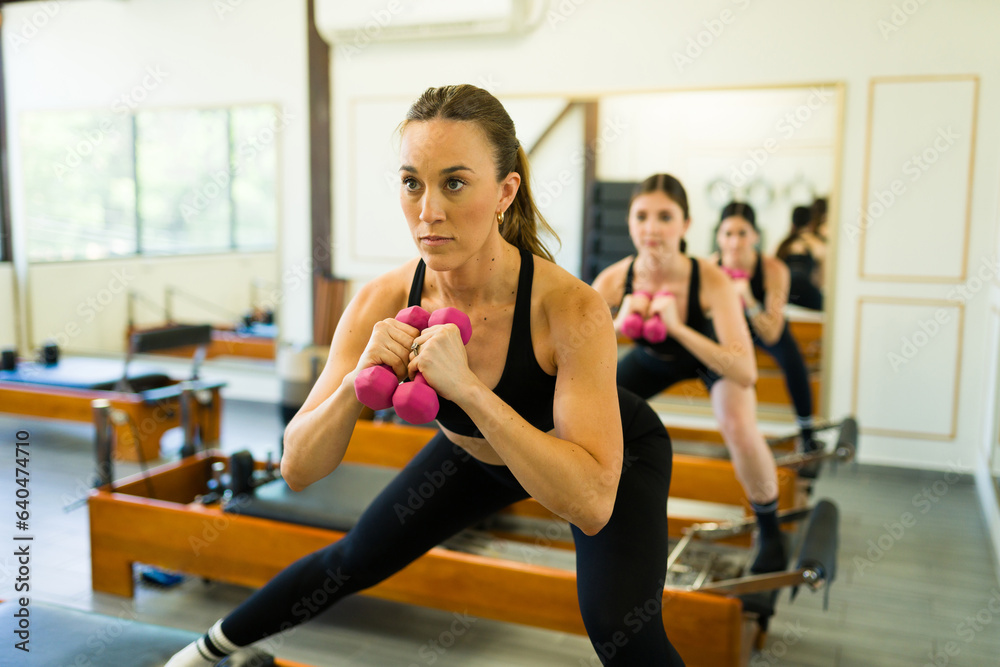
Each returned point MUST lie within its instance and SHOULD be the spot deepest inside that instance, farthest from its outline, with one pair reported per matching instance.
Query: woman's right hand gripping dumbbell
(386, 357)
(438, 361)
(633, 314)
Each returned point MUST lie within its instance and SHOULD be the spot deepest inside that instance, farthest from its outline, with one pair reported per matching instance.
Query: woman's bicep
(779, 283)
(585, 408)
(727, 316)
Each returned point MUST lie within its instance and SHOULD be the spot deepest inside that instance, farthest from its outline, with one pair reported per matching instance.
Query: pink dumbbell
(632, 324)
(376, 385)
(653, 329)
(416, 401)
(736, 274)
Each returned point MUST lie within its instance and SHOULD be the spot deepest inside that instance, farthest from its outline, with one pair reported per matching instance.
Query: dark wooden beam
(589, 179)
(6, 247)
(320, 163)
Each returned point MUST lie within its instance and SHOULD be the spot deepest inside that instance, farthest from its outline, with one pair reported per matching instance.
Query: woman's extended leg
(440, 492)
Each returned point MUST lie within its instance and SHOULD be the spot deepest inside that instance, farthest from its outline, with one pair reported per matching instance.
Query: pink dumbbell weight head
(376, 385)
(653, 329)
(416, 401)
(632, 324)
(736, 274)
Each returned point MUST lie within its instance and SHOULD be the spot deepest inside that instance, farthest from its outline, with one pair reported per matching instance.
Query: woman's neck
(488, 277)
(744, 261)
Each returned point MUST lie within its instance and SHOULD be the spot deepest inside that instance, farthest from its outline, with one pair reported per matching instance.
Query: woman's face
(449, 191)
(736, 238)
(656, 223)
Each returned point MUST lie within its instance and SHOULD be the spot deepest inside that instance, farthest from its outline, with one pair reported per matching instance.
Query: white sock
(197, 653)
(189, 656)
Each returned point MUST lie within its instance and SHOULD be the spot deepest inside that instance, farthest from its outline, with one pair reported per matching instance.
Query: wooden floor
(915, 579)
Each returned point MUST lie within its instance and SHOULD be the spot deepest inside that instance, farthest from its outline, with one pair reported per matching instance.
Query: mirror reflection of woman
(804, 252)
(707, 338)
(762, 283)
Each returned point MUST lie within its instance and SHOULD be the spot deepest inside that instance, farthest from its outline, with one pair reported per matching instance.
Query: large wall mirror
(776, 149)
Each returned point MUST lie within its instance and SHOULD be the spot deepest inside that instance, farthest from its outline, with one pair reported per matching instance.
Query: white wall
(82, 306)
(87, 54)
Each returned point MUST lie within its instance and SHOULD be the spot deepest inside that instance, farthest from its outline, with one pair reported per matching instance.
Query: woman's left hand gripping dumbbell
(437, 361)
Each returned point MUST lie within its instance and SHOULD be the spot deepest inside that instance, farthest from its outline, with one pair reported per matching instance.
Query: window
(79, 185)
(157, 182)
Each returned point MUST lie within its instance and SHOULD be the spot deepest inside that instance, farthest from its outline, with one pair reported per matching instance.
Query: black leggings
(803, 293)
(785, 352)
(620, 571)
(647, 375)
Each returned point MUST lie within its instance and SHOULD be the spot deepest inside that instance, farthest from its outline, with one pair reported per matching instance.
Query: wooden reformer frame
(172, 531)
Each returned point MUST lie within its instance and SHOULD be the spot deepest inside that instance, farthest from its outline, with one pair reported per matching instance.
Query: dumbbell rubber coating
(632, 324)
(375, 386)
(416, 402)
(653, 329)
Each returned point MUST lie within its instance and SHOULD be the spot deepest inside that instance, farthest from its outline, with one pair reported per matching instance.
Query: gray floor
(915, 582)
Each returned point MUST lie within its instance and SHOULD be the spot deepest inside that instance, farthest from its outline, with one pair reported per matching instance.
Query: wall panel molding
(920, 151)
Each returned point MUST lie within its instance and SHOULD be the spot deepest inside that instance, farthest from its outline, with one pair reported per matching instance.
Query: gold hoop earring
(499, 218)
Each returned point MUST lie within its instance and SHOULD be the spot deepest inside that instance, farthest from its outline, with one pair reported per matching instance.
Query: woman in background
(804, 253)
(762, 283)
(707, 338)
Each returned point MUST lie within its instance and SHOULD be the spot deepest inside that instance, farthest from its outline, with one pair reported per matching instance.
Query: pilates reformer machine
(518, 567)
(709, 443)
(146, 401)
(252, 334)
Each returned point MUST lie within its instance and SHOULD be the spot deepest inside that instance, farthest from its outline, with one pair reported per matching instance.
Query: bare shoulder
(774, 267)
(564, 298)
(712, 275)
(610, 282)
(381, 297)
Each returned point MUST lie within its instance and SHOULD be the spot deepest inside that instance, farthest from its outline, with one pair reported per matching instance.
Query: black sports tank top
(757, 281)
(670, 348)
(523, 385)
(801, 264)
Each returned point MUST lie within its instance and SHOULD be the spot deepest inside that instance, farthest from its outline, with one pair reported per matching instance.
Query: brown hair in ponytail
(522, 220)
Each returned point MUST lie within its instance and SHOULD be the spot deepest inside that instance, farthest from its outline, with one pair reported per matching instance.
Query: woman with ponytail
(529, 406)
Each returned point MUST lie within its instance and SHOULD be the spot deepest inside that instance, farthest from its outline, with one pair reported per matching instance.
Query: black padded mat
(68, 637)
(87, 373)
(334, 502)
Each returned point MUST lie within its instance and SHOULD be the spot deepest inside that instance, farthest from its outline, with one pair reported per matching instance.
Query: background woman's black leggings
(620, 571)
(785, 351)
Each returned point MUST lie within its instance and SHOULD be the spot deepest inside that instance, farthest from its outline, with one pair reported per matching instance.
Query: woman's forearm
(766, 323)
(315, 441)
(561, 475)
(735, 362)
